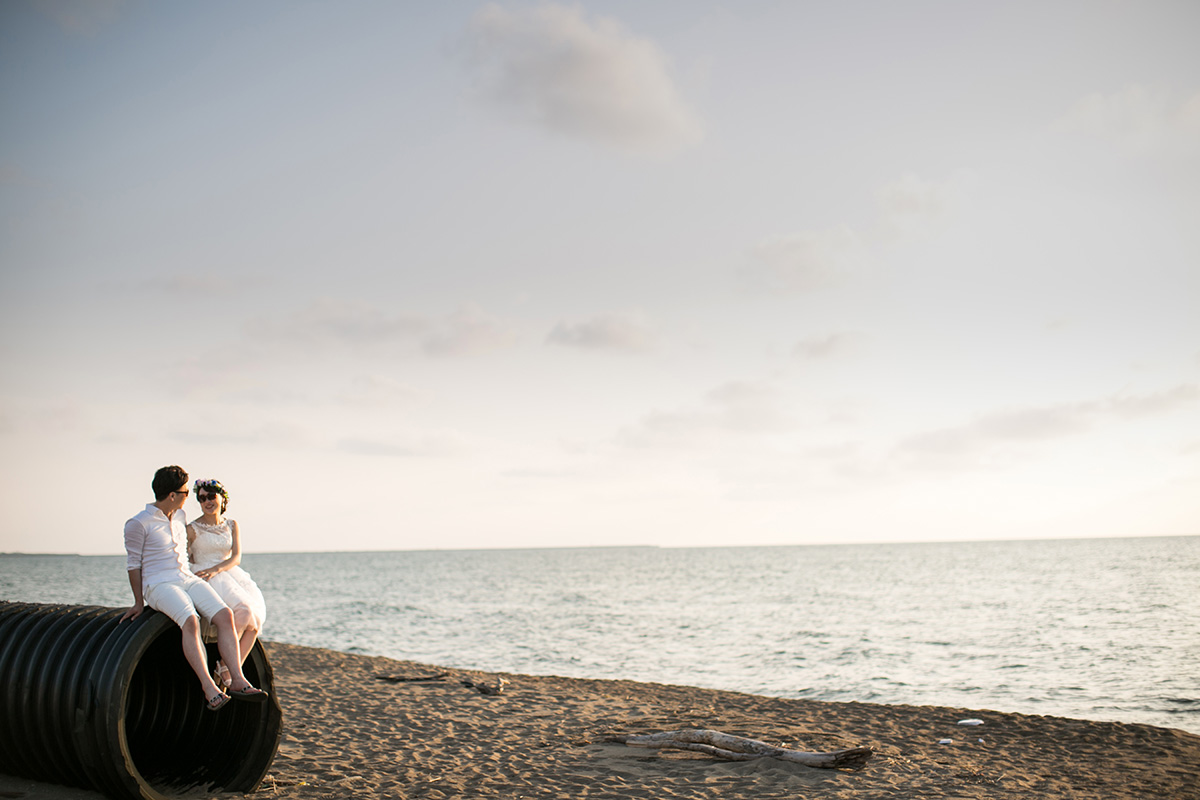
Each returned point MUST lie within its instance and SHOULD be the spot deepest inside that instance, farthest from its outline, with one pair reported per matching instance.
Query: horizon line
(21, 554)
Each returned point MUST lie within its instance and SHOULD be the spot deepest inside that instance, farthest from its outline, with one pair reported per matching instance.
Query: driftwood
(737, 748)
(483, 688)
(493, 689)
(440, 676)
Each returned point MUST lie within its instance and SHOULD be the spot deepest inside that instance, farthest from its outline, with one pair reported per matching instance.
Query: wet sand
(359, 726)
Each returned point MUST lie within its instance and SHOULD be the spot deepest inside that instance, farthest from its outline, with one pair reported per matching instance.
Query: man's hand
(139, 602)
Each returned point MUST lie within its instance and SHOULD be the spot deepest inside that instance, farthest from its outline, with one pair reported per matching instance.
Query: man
(156, 557)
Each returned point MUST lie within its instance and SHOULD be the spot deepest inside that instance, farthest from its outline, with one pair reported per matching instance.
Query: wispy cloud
(589, 79)
(1170, 400)
(241, 432)
(912, 206)
(1021, 425)
(428, 445)
(734, 408)
(379, 391)
(468, 332)
(828, 346)
(960, 444)
(807, 261)
(1137, 119)
(908, 208)
(328, 322)
(67, 415)
(192, 283)
(613, 332)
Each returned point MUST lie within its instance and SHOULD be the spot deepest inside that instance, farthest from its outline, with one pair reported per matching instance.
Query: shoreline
(359, 725)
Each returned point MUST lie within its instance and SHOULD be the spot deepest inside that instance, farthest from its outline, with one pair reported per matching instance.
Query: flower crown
(212, 485)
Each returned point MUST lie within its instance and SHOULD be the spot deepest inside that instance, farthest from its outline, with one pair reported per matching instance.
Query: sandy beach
(359, 726)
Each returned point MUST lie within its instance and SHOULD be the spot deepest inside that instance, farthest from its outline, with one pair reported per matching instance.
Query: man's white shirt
(157, 546)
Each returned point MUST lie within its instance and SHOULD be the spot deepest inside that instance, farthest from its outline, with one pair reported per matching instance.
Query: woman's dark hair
(167, 480)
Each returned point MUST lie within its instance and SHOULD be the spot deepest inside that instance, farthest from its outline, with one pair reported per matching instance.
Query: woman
(215, 550)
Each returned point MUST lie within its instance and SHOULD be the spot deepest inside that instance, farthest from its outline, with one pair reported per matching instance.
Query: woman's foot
(221, 676)
(215, 702)
(250, 693)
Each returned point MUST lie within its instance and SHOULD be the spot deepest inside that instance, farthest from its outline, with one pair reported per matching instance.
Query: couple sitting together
(191, 571)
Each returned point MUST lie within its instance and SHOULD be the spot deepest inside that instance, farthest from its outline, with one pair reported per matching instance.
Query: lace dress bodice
(211, 545)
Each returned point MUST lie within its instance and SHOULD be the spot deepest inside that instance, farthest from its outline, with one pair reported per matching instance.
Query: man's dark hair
(167, 480)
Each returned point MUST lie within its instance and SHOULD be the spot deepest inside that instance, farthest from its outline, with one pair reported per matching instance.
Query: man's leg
(193, 651)
(172, 600)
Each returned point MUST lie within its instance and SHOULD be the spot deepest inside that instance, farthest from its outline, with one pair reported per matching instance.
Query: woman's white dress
(211, 545)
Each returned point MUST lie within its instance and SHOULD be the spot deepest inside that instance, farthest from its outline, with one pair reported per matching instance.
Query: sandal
(221, 676)
(216, 702)
(249, 693)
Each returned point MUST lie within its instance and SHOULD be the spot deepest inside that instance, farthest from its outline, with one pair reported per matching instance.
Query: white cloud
(469, 332)
(240, 432)
(329, 322)
(807, 261)
(379, 391)
(616, 332)
(71, 415)
(833, 344)
(342, 322)
(1148, 405)
(189, 283)
(431, 445)
(1188, 116)
(1137, 118)
(735, 408)
(912, 206)
(983, 436)
(588, 79)
(1006, 427)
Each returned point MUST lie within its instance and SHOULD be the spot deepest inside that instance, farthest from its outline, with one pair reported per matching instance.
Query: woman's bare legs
(243, 622)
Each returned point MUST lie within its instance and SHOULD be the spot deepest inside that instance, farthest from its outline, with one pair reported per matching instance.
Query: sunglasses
(204, 498)
(183, 492)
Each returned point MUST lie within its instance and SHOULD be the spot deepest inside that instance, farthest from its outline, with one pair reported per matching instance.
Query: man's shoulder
(142, 516)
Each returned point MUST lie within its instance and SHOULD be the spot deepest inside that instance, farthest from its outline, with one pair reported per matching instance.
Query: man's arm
(135, 583)
(135, 543)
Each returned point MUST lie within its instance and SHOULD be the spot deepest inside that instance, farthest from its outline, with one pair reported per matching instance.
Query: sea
(1102, 629)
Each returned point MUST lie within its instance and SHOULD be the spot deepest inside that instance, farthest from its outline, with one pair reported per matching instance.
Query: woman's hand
(214, 570)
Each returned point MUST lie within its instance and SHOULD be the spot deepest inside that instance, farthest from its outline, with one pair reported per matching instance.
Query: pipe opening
(174, 742)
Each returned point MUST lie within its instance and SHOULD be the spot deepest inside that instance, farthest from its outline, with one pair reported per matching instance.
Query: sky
(476, 275)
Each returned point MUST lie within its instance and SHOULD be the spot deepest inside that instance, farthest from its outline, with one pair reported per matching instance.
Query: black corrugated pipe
(113, 706)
